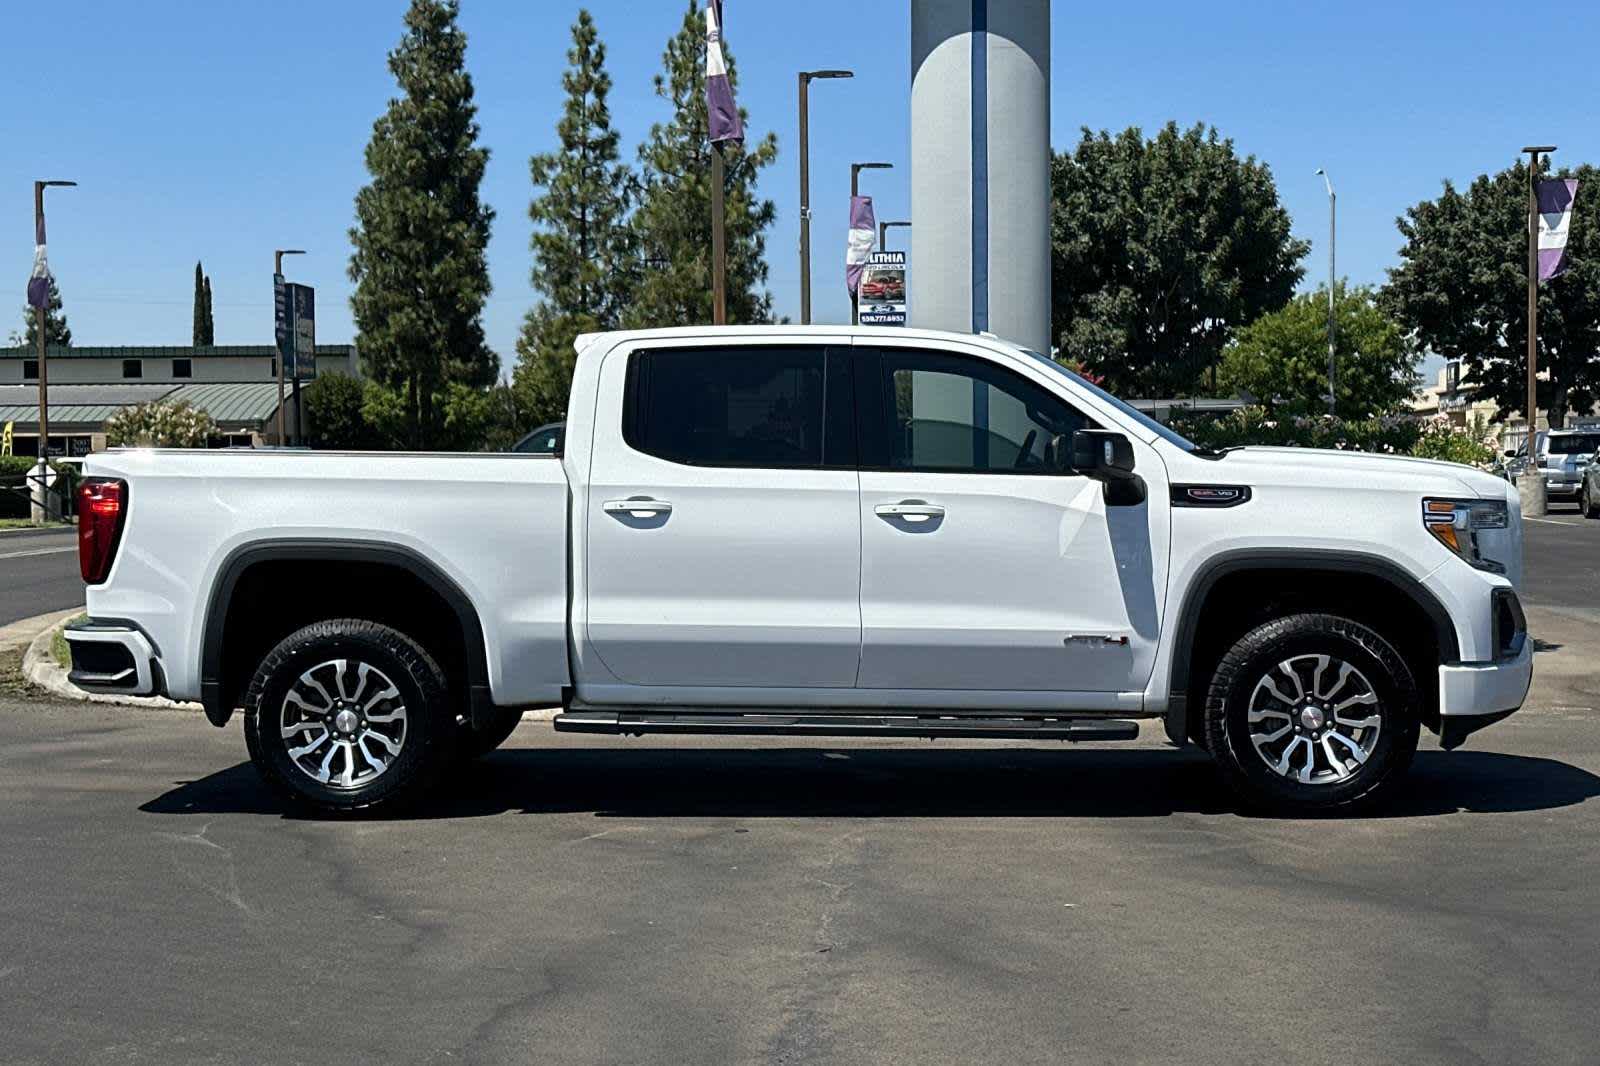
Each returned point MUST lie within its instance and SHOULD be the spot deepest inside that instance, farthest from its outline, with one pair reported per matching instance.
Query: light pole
(1530, 484)
(883, 233)
(41, 318)
(1333, 281)
(277, 284)
(806, 78)
(855, 190)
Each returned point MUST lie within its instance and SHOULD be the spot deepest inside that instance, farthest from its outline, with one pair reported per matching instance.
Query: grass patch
(22, 523)
(58, 643)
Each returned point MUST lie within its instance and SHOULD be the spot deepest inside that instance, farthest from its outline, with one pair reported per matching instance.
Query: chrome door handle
(637, 508)
(910, 511)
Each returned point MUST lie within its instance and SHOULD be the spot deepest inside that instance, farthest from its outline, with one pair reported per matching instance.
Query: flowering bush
(160, 425)
(1441, 440)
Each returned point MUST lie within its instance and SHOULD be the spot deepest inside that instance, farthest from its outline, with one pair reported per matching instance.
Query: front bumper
(111, 657)
(1475, 695)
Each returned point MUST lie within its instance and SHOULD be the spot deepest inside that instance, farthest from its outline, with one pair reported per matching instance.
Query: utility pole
(277, 283)
(855, 190)
(1333, 282)
(719, 237)
(1530, 484)
(41, 494)
(806, 78)
(883, 233)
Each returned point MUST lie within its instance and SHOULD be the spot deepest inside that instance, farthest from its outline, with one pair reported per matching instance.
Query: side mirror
(1102, 455)
(1107, 457)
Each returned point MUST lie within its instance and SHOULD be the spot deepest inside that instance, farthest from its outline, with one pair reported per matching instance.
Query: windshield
(1170, 436)
(1574, 443)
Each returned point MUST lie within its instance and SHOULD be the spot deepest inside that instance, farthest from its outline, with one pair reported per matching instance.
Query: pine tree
(205, 330)
(421, 231)
(56, 332)
(673, 221)
(583, 259)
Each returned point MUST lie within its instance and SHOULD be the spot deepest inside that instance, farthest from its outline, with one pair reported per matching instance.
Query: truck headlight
(1455, 524)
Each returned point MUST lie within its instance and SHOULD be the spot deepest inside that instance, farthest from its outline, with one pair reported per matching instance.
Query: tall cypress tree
(673, 220)
(204, 332)
(56, 332)
(583, 260)
(421, 231)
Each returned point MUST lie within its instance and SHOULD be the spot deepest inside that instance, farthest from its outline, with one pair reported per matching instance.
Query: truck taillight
(102, 507)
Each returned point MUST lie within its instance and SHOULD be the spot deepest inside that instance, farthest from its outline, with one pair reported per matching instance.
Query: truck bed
(495, 525)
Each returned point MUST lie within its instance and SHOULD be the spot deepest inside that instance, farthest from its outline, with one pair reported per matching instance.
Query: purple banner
(863, 232)
(722, 113)
(1555, 224)
(39, 279)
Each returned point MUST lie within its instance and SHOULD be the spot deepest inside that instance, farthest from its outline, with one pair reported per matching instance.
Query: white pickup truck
(815, 532)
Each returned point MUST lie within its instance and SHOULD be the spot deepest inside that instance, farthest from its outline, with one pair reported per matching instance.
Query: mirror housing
(1102, 455)
(1107, 457)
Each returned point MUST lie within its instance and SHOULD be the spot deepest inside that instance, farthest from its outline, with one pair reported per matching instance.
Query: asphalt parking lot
(579, 899)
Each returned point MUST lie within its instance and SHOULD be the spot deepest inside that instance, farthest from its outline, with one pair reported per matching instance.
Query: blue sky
(219, 131)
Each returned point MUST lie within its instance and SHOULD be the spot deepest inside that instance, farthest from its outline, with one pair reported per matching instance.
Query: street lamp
(277, 284)
(855, 190)
(1333, 328)
(1531, 485)
(806, 78)
(883, 233)
(41, 316)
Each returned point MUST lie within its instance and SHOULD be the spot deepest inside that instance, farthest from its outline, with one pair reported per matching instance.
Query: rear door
(724, 529)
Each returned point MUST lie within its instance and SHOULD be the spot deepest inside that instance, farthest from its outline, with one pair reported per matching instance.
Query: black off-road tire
(430, 734)
(1259, 652)
(1588, 504)
(476, 743)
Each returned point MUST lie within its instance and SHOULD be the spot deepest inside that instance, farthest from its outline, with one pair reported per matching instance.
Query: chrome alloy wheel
(1315, 719)
(343, 723)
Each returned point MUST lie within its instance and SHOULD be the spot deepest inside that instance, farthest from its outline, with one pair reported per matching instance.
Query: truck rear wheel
(348, 714)
(1312, 712)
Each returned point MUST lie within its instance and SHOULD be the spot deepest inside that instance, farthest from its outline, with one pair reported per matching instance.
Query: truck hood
(1336, 469)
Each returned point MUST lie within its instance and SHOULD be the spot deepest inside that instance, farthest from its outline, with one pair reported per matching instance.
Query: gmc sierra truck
(813, 532)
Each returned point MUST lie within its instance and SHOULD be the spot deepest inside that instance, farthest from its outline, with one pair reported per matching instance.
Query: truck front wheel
(348, 714)
(1312, 712)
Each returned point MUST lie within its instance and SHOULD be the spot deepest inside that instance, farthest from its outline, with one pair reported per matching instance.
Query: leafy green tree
(56, 332)
(421, 231)
(204, 332)
(583, 258)
(333, 405)
(1161, 249)
(1281, 359)
(1462, 288)
(160, 424)
(673, 220)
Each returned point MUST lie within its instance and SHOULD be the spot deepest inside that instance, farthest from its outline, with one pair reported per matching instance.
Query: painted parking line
(39, 551)
(1572, 520)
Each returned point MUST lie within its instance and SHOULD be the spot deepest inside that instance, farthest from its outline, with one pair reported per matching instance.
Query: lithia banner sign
(883, 290)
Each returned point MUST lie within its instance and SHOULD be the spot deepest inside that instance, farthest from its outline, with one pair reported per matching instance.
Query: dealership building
(237, 385)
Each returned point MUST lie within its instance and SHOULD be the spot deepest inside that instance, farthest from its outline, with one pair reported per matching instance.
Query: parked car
(1563, 456)
(814, 532)
(1589, 497)
(546, 440)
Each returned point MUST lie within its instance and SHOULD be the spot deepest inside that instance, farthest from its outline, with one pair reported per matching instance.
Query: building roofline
(164, 351)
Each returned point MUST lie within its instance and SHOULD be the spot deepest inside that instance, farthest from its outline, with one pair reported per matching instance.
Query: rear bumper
(111, 657)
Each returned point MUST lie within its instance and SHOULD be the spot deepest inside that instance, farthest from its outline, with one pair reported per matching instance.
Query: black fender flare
(332, 550)
(1245, 559)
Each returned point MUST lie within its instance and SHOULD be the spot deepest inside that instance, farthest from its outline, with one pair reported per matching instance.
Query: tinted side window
(758, 406)
(959, 414)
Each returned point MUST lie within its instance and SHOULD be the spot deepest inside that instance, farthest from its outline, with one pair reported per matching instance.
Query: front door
(985, 564)
(724, 531)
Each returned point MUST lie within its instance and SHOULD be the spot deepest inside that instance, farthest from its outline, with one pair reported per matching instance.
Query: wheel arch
(1329, 564)
(217, 695)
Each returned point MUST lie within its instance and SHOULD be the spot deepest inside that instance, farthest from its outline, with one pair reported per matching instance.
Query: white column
(980, 167)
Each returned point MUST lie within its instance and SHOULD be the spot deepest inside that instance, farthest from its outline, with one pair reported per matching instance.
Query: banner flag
(863, 235)
(722, 114)
(39, 280)
(1555, 223)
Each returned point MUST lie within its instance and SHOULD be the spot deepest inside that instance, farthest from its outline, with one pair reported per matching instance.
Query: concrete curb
(18, 635)
(39, 667)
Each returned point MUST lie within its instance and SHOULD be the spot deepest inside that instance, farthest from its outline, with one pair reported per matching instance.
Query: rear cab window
(762, 406)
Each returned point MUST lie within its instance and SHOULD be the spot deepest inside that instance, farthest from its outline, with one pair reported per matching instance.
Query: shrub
(160, 424)
(1441, 440)
(1392, 434)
